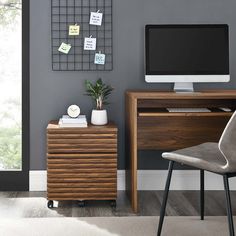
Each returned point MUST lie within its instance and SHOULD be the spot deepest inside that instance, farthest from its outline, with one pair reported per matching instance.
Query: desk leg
(131, 180)
(131, 151)
(134, 182)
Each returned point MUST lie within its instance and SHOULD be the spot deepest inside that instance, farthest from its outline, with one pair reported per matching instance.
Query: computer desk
(149, 125)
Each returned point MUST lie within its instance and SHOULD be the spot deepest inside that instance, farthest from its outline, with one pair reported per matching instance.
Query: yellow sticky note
(64, 48)
(74, 29)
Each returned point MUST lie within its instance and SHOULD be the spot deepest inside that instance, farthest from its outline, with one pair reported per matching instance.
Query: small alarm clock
(73, 111)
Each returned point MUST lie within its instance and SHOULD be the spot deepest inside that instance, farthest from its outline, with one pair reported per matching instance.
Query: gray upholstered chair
(219, 158)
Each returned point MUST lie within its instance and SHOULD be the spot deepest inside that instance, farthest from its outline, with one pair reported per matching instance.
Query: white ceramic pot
(99, 117)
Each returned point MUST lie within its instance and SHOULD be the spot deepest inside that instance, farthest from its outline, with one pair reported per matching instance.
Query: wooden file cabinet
(81, 163)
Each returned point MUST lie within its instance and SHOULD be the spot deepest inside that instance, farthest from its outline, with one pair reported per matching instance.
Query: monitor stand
(183, 87)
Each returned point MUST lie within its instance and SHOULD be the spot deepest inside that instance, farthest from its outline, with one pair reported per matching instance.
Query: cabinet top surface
(160, 94)
(111, 126)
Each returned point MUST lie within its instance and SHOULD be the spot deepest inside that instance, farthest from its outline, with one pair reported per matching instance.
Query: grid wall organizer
(71, 12)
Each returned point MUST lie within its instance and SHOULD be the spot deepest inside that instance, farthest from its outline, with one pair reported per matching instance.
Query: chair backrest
(227, 143)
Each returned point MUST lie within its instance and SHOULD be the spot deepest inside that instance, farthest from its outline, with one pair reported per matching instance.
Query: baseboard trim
(150, 180)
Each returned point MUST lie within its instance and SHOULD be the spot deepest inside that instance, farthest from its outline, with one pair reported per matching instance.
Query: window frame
(19, 180)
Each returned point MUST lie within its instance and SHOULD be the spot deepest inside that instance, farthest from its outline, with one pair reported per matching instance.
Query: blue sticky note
(99, 59)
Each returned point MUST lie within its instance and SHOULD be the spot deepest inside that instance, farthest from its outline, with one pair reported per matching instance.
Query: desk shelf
(157, 112)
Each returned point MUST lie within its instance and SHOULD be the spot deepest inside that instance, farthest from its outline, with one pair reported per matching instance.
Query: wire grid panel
(71, 12)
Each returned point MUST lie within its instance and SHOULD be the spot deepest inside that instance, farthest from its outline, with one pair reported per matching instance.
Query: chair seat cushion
(206, 156)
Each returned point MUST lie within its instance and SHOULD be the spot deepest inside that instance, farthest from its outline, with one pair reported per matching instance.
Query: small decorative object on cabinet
(81, 163)
(73, 111)
(99, 93)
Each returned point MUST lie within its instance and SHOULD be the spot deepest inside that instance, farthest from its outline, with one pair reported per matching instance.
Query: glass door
(14, 100)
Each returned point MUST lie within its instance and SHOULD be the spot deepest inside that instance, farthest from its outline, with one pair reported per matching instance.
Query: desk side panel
(131, 149)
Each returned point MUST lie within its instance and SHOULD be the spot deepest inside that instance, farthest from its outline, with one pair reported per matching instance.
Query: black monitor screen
(187, 49)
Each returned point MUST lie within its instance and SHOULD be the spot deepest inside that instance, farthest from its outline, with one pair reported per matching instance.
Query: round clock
(73, 111)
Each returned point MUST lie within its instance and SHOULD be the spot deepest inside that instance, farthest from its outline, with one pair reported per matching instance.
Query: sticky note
(64, 48)
(90, 43)
(99, 59)
(95, 18)
(74, 29)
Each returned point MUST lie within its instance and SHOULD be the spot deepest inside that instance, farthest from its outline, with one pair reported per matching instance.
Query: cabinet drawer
(82, 140)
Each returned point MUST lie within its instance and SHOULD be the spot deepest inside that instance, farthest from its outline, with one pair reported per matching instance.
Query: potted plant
(99, 92)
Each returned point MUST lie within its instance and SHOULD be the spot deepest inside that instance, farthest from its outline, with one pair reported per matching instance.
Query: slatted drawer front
(82, 163)
(82, 143)
(81, 178)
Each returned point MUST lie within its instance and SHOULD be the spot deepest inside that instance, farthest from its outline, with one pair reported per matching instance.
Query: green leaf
(98, 90)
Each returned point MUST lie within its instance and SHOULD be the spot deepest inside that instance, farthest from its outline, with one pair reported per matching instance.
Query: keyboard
(188, 110)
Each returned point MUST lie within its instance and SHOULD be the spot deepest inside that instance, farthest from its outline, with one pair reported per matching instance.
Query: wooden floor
(184, 203)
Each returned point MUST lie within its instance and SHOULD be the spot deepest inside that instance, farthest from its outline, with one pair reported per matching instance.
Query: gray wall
(51, 92)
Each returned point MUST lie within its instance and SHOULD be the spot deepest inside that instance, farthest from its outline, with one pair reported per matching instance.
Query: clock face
(73, 111)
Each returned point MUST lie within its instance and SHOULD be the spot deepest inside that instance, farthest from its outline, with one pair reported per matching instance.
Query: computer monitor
(184, 54)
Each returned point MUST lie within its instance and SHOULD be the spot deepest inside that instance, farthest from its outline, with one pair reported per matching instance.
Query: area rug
(113, 226)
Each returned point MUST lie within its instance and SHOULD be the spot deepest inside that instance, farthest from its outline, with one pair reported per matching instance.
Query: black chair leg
(163, 206)
(229, 208)
(202, 200)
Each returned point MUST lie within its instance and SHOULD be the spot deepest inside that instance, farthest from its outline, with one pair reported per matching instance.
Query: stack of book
(67, 121)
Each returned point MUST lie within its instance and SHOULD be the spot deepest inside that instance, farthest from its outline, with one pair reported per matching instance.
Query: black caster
(113, 203)
(50, 204)
(81, 203)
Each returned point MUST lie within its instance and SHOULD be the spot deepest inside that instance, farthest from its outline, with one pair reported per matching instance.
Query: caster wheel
(113, 203)
(50, 204)
(81, 203)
